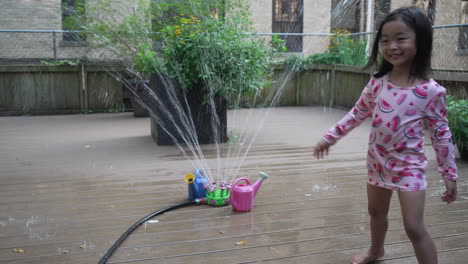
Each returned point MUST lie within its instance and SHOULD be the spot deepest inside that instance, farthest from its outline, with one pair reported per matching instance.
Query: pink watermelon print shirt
(396, 158)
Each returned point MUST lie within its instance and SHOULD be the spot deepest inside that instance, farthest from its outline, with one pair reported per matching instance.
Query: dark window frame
(463, 32)
(291, 21)
(70, 9)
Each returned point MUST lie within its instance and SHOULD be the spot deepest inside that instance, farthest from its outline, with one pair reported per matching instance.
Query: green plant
(216, 53)
(208, 45)
(87, 111)
(343, 49)
(323, 58)
(60, 62)
(233, 137)
(146, 61)
(299, 64)
(349, 49)
(296, 63)
(116, 109)
(457, 114)
(278, 44)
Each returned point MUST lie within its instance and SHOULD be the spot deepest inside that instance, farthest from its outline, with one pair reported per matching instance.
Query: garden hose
(127, 233)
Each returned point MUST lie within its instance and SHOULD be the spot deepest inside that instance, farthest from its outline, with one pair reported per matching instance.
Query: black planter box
(172, 112)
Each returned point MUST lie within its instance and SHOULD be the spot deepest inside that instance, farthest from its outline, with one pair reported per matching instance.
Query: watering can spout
(261, 177)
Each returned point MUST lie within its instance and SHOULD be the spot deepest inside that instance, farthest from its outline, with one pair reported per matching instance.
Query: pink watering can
(243, 196)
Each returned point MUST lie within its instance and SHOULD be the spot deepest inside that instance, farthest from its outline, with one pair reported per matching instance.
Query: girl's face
(398, 44)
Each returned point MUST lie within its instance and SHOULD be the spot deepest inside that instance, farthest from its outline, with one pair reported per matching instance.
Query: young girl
(399, 98)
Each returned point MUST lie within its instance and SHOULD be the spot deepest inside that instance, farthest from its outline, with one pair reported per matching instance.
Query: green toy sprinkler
(199, 189)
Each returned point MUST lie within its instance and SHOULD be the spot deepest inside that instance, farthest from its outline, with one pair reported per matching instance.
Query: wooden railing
(40, 89)
(341, 85)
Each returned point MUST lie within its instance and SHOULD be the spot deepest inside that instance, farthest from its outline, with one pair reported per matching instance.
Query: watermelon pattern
(391, 163)
(420, 92)
(394, 124)
(401, 98)
(385, 106)
(377, 121)
(442, 132)
(411, 132)
(396, 143)
(411, 111)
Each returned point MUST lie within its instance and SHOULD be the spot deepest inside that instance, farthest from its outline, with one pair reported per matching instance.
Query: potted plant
(210, 59)
(198, 54)
(457, 113)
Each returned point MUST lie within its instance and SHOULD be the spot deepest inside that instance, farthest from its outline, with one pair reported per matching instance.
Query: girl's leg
(378, 205)
(412, 206)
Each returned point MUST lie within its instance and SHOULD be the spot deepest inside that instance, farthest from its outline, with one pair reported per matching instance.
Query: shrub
(344, 48)
(457, 113)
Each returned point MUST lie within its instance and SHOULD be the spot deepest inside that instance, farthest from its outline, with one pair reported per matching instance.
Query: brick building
(280, 16)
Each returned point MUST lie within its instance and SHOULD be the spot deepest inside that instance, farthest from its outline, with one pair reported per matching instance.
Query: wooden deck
(71, 185)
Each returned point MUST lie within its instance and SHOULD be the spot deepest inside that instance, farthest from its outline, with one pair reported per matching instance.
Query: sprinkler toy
(218, 197)
(196, 185)
(200, 190)
(240, 196)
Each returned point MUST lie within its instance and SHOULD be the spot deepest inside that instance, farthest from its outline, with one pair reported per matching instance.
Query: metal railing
(33, 46)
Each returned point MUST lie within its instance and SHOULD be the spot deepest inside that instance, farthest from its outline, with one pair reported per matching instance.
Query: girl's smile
(398, 44)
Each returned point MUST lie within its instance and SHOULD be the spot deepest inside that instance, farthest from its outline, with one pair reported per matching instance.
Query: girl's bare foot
(367, 257)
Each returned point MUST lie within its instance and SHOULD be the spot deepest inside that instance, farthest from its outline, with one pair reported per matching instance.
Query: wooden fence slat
(44, 89)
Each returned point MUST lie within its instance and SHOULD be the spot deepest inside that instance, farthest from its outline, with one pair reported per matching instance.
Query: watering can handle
(240, 179)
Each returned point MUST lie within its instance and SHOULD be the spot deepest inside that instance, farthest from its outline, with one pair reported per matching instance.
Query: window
(288, 18)
(382, 9)
(463, 33)
(429, 6)
(72, 15)
(346, 15)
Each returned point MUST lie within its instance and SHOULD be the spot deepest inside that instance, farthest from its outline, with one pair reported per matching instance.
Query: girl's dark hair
(417, 20)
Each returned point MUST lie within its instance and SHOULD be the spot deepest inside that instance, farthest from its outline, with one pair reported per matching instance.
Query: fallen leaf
(221, 232)
(83, 245)
(18, 250)
(241, 243)
(65, 252)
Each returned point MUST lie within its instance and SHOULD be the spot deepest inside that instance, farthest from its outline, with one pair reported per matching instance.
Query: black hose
(136, 225)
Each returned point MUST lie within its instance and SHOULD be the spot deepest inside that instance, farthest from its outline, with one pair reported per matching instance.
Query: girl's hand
(321, 149)
(450, 194)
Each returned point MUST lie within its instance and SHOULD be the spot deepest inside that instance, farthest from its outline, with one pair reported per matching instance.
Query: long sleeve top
(396, 158)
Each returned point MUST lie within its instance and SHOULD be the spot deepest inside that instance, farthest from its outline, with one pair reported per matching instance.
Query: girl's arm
(441, 138)
(362, 110)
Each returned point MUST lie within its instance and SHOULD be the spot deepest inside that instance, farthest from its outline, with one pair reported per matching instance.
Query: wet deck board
(67, 193)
